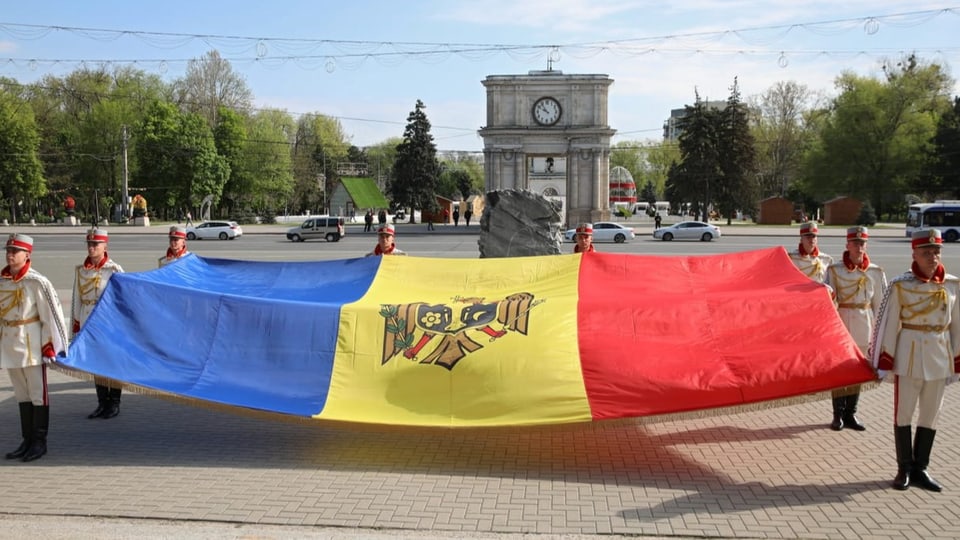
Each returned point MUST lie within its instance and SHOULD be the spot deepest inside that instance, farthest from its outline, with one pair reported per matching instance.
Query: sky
(367, 62)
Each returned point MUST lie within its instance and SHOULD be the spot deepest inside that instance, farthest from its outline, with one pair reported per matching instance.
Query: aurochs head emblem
(410, 329)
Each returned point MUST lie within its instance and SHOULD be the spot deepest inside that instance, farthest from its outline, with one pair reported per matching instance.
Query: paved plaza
(773, 473)
(166, 469)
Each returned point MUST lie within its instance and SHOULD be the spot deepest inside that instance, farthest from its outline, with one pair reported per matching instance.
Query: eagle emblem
(443, 334)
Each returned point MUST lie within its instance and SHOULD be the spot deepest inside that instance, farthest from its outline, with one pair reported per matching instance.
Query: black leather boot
(41, 421)
(26, 430)
(850, 419)
(901, 437)
(921, 458)
(113, 403)
(102, 397)
(838, 404)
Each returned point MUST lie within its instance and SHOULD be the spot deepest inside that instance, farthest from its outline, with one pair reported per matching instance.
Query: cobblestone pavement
(196, 472)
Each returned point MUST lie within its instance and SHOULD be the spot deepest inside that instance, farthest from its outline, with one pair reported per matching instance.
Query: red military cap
(857, 233)
(21, 242)
(97, 235)
(177, 231)
(809, 227)
(926, 237)
(386, 229)
(585, 229)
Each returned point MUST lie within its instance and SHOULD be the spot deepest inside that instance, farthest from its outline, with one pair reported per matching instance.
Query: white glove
(882, 374)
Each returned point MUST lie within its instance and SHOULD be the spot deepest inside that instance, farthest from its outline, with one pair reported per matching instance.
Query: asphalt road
(56, 254)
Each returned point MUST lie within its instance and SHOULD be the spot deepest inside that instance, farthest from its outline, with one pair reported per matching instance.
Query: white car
(605, 231)
(224, 230)
(688, 230)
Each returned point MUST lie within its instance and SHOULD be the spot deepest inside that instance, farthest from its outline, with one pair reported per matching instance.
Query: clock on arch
(547, 111)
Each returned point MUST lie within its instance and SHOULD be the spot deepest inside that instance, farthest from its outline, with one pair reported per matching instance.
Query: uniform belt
(854, 306)
(88, 302)
(935, 328)
(21, 322)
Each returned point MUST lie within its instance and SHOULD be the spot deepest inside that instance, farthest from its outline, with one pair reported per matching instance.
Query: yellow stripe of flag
(456, 342)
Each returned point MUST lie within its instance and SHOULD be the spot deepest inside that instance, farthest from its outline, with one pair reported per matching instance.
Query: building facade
(548, 133)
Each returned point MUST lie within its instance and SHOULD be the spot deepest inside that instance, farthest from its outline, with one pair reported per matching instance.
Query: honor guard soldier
(807, 256)
(918, 340)
(178, 245)
(385, 242)
(32, 334)
(858, 287)
(89, 282)
(584, 238)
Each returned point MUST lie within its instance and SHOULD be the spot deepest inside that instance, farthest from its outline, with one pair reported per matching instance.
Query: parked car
(688, 230)
(605, 231)
(224, 230)
(327, 227)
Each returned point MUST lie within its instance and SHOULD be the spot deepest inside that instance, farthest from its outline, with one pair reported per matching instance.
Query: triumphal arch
(547, 132)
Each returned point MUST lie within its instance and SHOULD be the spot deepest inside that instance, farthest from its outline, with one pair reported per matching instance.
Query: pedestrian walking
(368, 221)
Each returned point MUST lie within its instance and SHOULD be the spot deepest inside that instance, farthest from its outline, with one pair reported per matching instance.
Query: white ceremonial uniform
(89, 283)
(859, 292)
(30, 319)
(814, 267)
(918, 337)
(923, 332)
(165, 260)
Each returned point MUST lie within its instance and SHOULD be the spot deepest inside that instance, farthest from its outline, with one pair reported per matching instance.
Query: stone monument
(519, 223)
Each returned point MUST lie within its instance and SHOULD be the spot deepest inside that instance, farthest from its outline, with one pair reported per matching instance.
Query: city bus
(942, 215)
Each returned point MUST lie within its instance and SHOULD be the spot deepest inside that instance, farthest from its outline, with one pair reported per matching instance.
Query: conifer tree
(736, 184)
(416, 169)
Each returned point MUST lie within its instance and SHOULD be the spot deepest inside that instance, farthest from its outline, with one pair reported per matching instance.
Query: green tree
(20, 166)
(82, 118)
(319, 145)
(230, 136)
(178, 158)
(647, 161)
(648, 194)
(416, 168)
(783, 135)
(698, 169)
(657, 158)
(267, 162)
(943, 180)
(209, 84)
(736, 184)
(629, 155)
(876, 138)
(460, 176)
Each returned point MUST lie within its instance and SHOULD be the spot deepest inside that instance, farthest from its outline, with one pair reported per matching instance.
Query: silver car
(688, 230)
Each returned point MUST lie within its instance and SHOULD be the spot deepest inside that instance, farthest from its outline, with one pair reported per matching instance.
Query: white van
(327, 227)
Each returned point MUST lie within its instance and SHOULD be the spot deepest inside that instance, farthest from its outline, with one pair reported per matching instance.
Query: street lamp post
(125, 194)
